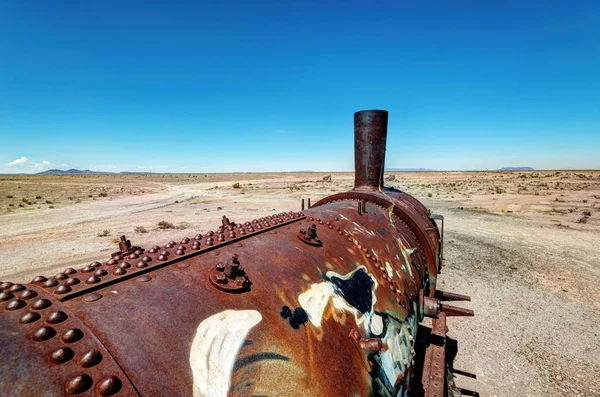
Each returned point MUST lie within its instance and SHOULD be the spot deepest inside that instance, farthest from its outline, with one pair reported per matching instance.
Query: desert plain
(525, 245)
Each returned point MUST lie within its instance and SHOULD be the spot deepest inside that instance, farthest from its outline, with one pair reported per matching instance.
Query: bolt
(221, 279)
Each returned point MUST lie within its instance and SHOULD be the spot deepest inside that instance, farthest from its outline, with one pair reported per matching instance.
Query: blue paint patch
(383, 231)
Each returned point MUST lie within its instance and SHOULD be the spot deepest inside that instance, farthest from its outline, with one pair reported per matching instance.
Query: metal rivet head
(6, 285)
(133, 256)
(163, 258)
(30, 317)
(39, 279)
(63, 289)
(5, 296)
(124, 265)
(185, 240)
(16, 305)
(44, 333)
(62, 355)
(71, 281)
(139, 251)
(95, 264)
(164, 252)
(41, 304)
(144, 278)
(60, 276)
(92, 280)
(88, 269)
(146, 259)
(119, 271)
(56, 317)
(108, 386)
(28, 294)
(78, 384)
(90, 359)
(50, 283)
(141, 265)
(180, 252)
(92, 297)
(117, 257)
(70, 271)
(16, 288)
(72, 335)
(112, 262)
(100, 272)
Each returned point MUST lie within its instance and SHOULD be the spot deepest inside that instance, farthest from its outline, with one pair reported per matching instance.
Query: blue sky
(272, 86)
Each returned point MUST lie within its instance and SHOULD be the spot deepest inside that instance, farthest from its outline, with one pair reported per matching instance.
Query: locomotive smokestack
(370, 133)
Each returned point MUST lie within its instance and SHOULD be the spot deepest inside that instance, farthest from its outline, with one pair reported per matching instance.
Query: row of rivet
(163, 254)
(107, 386)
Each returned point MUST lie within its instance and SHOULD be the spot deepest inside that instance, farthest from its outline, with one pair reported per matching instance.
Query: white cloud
(23, 162)
(46, 162)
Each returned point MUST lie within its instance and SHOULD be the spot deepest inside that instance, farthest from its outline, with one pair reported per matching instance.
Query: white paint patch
(215, 347)
(315, 300)
(389, 269)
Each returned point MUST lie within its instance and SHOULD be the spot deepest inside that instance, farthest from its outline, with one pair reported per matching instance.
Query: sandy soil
(524, 245)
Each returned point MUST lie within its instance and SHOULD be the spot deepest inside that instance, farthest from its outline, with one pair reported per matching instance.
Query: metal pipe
(370, 133)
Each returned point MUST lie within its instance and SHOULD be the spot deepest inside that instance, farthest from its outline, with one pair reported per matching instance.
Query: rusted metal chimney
(370, 133)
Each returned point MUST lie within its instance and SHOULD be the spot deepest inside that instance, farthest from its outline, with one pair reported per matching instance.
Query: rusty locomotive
(325, 301)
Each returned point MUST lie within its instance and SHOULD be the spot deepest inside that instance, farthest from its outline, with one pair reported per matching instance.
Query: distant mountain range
(72, 171)
(516, 169)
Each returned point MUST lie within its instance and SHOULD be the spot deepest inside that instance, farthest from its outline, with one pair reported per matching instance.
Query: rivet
(141, 265)
(146, 259)
(139, 251)
(72, 335)
(109, 386)
(100, 272)
(56, 317)
(117, 257)
(185, 240)
(60, 276)
(112, 261)
(88, 269)
(16, 305)
(119, 271)
(16, 288)
(133, 256)
(6, 285)
(63, 289)
(71, 281)
(90, 359)
(95, 264)
(30, 317)
(92, 297)
(70, 271)
(28, 294)
(41, 304)
(4, 296)
(198, 237)
(78, 384)
(39, 279)
(164, 252)
(163, 258)
(92, 280)
(62, 355)
(144, 278)
(44, 333)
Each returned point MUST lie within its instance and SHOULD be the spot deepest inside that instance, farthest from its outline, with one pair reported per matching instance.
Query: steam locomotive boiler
(321, 302)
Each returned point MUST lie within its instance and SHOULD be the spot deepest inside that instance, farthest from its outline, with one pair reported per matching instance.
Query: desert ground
(525, 245)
